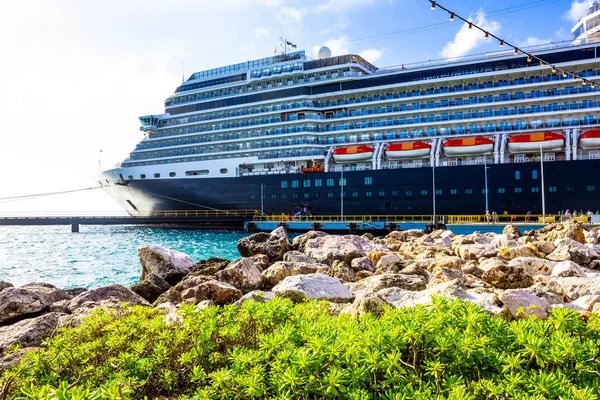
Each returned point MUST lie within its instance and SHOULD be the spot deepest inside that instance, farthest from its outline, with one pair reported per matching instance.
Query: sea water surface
(98, 255)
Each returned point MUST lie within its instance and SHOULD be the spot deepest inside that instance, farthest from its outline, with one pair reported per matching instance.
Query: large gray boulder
(474, 251)
(327, 249)
(342, 271)
(196, 288)
(505, 277)
(568, 268)
(4, 285)
(169, 264)
(281, 270)
(273, 245)
(512, 231)
(362, 264)
(296, 257)
(256, 295)
(29, 332)
(567, 249)
(313, 286)
(243, 273)
(26, 301)
(151, 287)
(299, 242)
(569, 229)
(522, 303)
(114, 293)
(399, 298)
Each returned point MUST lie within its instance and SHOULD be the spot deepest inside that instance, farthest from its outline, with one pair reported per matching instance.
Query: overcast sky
(76, 74)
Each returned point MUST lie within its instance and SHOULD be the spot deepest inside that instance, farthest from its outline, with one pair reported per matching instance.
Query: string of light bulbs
(530, 57)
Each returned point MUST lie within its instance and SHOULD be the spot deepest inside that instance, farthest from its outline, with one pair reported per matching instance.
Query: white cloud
(270, 3)
(371, 55)
(261, 32)
(578, 9)
(341, 5)
(291, 15)
(466, 40)
(337, 46)
(533, 41)
(562, 34)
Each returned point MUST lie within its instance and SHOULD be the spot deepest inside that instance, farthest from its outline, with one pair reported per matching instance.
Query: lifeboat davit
(468, 146)
(407, 150)
(531, 142)
(590, 140)
(352, 154)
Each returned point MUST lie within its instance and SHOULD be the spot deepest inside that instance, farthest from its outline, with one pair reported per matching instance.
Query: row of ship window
(187, 173)
(457, 116)
(396, 120)
(251, 88)
(409, 193)
(403, 95)
(374, 81)
(363, 138)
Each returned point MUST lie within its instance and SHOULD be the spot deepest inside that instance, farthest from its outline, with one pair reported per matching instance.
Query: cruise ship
(289, 133)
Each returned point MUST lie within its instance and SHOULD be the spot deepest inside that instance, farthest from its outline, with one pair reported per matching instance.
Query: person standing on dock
(494, 217)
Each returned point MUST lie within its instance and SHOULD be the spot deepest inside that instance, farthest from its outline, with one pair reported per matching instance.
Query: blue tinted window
(330, 195)
(284, 184)
(330, 182)
(517, 175)
(368, 180)
(295, 184)
(318, 182)
(534, 174)
(307, 183)
(368, 194)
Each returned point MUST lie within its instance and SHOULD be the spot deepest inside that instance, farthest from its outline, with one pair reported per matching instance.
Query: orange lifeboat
(407, 150)
(468, 146)
(532, 142)
(352, 154)
(590, 139)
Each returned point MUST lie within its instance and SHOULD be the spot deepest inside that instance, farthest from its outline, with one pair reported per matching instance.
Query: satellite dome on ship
(324, 52)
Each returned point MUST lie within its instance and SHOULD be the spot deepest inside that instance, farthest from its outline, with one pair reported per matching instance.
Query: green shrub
(281, 350)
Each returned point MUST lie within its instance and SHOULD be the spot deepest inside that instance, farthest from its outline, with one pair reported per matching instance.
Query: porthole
(224, 170)
(130, 177)
(143, 176)
(172, 174)
(157, 175)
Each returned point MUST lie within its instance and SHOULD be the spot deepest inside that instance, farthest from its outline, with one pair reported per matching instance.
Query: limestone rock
(591, 236)
(299, 242)
(443, 275)
(501, 241)
(452, 262)
(472, 269)
(220, 293)
(195, 288)
(341, 270)
(280, 232)
(569, 229)
(527, 250)
(327, 249)
(116, 293)
(362, 264)
(211, 266)
(273, 246)
(386, 260)
(584, 303)
(474, 251)
(574, 287)
(151, 287)
(313, 286)
(567, 268)
(511, 230)
(369, 303)
(533, 265)
(505, 277)
(4, 285)
(363, 275)
(518, 301)
(488, 301)
(490, 263)
(394, 239)
(547, 288)
(169, 264)
(47, 292)
(567, 249)
(375, 256)
(544, 247)
(416, 269)
(387, 280)
(281, 270)
(28, 332)
(12, 359)
(296, 256)
(242, 273)
(256, 295)
(73, 292)
(17, 303)
(61, 306)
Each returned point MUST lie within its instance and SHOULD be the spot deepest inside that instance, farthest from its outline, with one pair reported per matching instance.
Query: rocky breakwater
(511, 275)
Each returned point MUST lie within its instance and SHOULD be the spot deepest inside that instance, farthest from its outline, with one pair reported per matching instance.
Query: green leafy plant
(281, 350)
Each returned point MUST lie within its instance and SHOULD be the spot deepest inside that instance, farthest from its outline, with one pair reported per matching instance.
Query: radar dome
(324, 52)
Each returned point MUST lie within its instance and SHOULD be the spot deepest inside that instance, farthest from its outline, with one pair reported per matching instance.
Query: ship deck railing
(452, 219)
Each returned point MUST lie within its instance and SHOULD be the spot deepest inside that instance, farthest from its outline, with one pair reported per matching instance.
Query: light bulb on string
(528, 58)
(470, 26)
(487, 36)
(553, 69)
(516, 51)
(502, 43)
(433, 5)
(451, 17)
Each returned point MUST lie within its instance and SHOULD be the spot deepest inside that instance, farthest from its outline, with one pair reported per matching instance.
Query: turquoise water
(97, 255)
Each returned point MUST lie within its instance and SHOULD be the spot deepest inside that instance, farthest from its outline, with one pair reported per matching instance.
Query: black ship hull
(514, 188)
